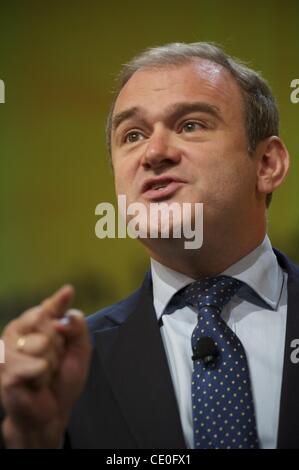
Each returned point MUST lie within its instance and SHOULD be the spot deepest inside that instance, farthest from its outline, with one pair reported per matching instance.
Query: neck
(215, 256)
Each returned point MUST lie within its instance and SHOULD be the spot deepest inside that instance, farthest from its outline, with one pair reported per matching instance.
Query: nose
(160, 151)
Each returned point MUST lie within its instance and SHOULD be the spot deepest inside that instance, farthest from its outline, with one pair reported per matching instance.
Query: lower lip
(166, 192)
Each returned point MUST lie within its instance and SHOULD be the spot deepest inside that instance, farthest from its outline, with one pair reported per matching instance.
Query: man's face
(179, 136)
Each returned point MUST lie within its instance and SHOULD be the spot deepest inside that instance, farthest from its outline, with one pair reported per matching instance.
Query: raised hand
(47, 352)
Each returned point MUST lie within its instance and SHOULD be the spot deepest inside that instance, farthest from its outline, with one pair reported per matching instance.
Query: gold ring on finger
(21, 343)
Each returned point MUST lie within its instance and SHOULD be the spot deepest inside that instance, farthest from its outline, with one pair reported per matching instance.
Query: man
(188, 124)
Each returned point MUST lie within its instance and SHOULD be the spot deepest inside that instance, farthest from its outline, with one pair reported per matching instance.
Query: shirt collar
(259, 270)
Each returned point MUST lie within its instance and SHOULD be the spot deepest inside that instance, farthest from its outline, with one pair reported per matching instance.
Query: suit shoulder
(113, 315)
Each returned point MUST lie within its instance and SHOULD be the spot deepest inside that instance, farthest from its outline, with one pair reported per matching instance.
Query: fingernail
(65, 320)
(74, 313)
(69, 315)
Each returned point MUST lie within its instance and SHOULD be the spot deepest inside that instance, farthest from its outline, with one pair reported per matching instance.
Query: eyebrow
(124, 116)
(175, 111)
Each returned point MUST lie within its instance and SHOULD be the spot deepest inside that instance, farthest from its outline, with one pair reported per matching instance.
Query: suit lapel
(288, 431)
(135, 363)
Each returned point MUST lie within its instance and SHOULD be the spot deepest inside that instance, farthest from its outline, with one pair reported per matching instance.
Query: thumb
(74, 329)
(75, 361)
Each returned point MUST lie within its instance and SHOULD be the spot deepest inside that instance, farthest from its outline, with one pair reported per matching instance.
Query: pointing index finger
(58, 303)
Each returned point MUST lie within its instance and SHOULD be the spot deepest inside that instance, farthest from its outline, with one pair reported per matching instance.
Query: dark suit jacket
(129, 400)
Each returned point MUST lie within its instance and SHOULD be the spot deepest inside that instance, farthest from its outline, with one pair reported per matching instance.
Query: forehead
(200, 80)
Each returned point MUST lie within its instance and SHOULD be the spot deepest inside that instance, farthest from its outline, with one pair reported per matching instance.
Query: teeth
(158, 186)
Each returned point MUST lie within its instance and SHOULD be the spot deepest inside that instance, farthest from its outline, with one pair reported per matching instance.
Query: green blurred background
(58, 60)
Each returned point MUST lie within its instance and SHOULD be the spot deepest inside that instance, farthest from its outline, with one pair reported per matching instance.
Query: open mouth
(160, 188)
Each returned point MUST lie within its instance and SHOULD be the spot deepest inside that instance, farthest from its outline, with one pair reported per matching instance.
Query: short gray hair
(261, 112)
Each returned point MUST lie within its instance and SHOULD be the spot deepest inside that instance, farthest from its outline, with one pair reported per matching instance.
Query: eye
(133, 136)
(191, 126)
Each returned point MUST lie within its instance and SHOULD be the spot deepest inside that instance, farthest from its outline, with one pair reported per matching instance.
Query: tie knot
(211, 292)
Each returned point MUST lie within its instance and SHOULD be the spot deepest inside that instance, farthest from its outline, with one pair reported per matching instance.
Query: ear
(273, 164)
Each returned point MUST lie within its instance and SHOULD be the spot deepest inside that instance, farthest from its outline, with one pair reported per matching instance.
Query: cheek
(120, 187)
(223, 176)
(123, 179)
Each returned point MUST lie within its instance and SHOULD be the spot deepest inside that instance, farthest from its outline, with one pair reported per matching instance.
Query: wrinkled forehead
(197, 78)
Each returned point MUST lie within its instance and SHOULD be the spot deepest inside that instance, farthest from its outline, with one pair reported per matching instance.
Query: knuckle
(38, 314)
(10, 327)
(47, 305)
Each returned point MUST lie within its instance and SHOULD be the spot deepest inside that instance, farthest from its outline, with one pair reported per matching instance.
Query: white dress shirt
(259, 321)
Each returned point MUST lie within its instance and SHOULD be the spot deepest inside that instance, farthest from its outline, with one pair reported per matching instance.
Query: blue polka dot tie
(222, 404)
